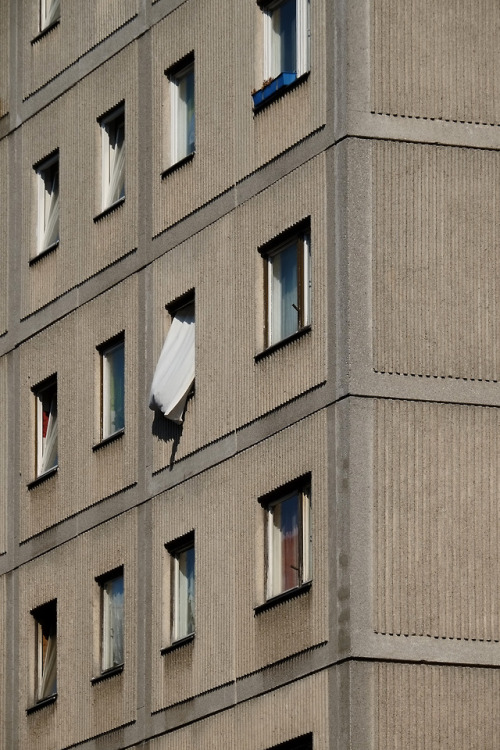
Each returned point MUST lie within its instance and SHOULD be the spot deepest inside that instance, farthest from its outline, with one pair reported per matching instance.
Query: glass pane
(285, 546)
(185, 593)
(284, 299)
(114, 382)
(47, 430)
(113, 623)
(284, 38)
(186, 122)
(116, 134)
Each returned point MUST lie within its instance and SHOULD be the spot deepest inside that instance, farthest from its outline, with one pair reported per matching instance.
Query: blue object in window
(280, 82)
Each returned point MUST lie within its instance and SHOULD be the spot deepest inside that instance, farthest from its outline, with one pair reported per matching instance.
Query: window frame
(175, 549)
(106, 661)
(46, 172)
(111, 123)
(105, 349)
(49, 385)
(301, 488)
(300, 235)
(177, 74)
(45, 617)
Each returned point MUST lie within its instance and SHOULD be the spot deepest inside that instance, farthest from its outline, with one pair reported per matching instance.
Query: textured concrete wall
(267, 720)
(70, 124)
(436, 261)
(222, 506)
(436, 520)
(68, 348)
(224, 266)
(230, 141)
(3, 657)
(428, 707)
(436, 60)
(82, 26)
(67, 573)
(4, 232)
(4, 461)
(4, 57)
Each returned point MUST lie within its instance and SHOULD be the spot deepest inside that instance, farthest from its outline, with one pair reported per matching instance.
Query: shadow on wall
(169, 432)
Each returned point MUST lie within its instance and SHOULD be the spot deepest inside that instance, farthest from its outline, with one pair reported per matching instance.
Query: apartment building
(249, 364)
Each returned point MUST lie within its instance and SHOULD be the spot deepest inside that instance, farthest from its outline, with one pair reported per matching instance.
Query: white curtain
(51, 232)
(174, 374)
(116, 187)
(49, 669)
(49, 456)
(54, 12)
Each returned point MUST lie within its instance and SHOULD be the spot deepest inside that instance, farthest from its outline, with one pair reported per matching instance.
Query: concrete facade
(388, 150)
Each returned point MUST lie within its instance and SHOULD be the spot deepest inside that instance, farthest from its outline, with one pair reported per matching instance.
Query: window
(304, 742)
(182, 124)
(112, 387)
(113, 156)
(287, 286)
(48, 203)
(174, 375)
(46, 650)
(46, 426)
(50, 13)
(288, 518)
(182, 587)
(286, 45)
(112, 593)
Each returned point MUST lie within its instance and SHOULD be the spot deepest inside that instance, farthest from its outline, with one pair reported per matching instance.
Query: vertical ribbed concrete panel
(224, 266)
(3, 657)
(436, 59)
(4, 58)
(4, 229)
(82, 26)
(426, 707)
(436, 255)
(68, 348)
(4, 460)
(436, 520)
(261, 723)
(230, 140)
(70, 125)
(82, 710)
(222, 507)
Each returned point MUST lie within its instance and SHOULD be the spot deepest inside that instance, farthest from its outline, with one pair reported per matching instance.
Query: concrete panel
(82, 26)
(436, 60)
(436, 707)
(4, 458)
(82, 710)
(223, 265)
(4, 58)
(70, 124)
(436, 275)
(436, 520)
(68, 348)
(4, 230)
(222, 507)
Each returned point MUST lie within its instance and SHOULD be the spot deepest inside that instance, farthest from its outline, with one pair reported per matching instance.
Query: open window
(112, 616)
(50, 13)
(174, 375)
(47, 173)
(46, 650)
(287, 285)
(46, 425)
(182, 587)
(112, 360)
(286, 45)
(113, 157)
(182, 122)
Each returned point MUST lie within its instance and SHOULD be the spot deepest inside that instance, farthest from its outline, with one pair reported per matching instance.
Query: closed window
(48, 203)
(46, 650)
(113, 156)
(287, 273)
(50, 13)
(112, 357)
(182, 122)
(289, 546)
(182, 586)
(46, 426)
(112, 616)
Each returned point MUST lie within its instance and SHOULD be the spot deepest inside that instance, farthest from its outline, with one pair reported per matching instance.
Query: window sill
(42, 478)
(284, 342)
(46, 31)
(109, 209)
(107, 674)
(277, 88)
(110, 439)
(41, 704)
(43, 253)
(177, 644)
(178, 165)
(284, 597)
